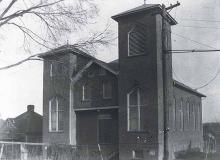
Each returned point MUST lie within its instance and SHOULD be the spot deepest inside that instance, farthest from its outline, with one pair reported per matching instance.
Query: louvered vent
(137, 40)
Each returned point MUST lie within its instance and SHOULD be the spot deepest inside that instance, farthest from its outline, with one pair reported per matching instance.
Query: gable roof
(112, 66)
(63, 50)
(143, 8)
(27, 122)
(72, 49)
(187, 88)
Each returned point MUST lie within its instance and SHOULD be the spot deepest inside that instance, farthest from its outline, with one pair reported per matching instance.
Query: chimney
(30, 108)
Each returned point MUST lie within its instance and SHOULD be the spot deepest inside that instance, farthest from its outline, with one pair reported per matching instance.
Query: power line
(210, 81)
(198, 27)
(178, 78)
(192, 51)
(189, 39)
(200, 20)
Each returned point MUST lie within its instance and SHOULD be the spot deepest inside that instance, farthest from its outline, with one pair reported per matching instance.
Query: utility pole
(167, 77)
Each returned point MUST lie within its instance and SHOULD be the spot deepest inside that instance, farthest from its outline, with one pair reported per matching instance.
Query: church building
(131, 106)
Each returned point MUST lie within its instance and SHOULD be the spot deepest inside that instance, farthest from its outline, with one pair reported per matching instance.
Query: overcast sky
(23, 85)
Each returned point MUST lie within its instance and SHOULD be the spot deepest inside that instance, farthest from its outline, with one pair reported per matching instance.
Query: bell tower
(145, 81)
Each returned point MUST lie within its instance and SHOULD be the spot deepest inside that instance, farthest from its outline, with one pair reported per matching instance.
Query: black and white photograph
(109, 80)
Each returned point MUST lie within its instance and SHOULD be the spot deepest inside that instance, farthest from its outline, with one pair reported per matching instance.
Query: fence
(39, 151)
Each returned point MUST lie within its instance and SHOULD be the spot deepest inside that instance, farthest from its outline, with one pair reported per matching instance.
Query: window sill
(144, 54)
(137, 131)
(60, 131)
(137, 158)
(106, 98)
(86, 100)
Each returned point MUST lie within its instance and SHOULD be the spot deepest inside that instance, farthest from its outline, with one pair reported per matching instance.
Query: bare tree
(55, 17)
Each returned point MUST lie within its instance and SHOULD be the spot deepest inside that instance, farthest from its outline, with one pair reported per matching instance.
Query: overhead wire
(184, 37)
(210, 81)
(192, 51)
(201, 51)
(200, 20)
(198, 27)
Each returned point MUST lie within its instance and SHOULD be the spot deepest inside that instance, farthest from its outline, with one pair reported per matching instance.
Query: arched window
(193, 116)
(181, 115)
(187, 113)
(136, 100)
(174, 113)
(137, 40)
(199, 116)
(86, 92)
(56, 108)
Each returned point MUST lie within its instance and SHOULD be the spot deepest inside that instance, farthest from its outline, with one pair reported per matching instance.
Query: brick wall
(144, 71)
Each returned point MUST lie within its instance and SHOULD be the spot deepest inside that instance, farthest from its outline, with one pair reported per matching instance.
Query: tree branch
(7, 9)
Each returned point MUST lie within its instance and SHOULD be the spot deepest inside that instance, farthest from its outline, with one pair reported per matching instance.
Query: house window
(56, 115)
(107, 89)
(51, 70)
(137, 40)
(187, 114)
(136, 101)
(86, 92)
(181, 115)
(193, 117)
(138, 154)
(199, 117)
(174, 113)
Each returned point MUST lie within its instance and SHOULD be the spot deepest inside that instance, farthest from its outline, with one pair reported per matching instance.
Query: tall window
(181, 115)
(107, 89)
(174, 113)
(56, 115)
(187, 113)
(86, 92)
(198, 117)
(137, 40)
(136, 100)
(193, 117)
(51, 70)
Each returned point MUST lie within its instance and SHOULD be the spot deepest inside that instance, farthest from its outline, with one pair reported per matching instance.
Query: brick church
(132, 103)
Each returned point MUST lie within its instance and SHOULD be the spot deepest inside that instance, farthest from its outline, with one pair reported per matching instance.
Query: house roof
(64, 49)
(187, 88)
(28, 122)
(72, 49)
(112, 66)
(143, 8)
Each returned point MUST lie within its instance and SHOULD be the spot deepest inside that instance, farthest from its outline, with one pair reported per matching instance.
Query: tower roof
(143, 8)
